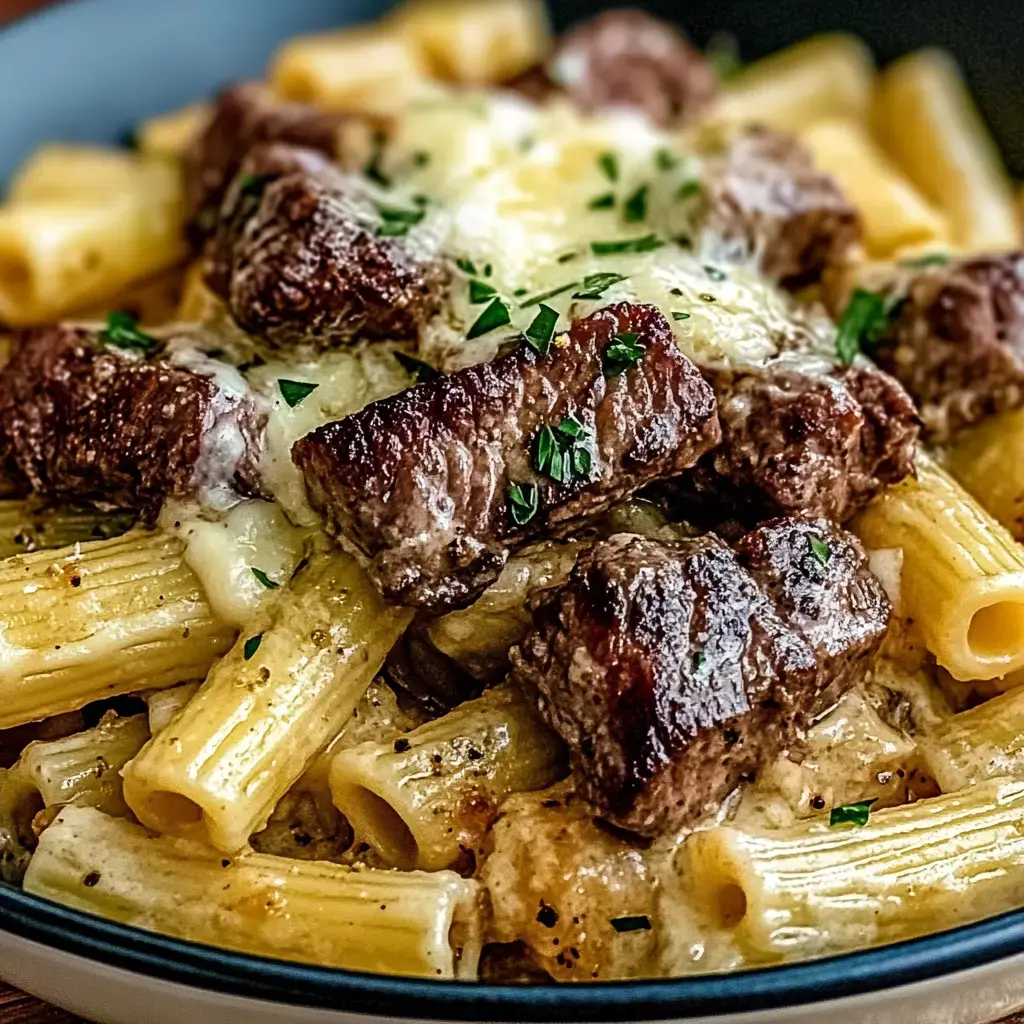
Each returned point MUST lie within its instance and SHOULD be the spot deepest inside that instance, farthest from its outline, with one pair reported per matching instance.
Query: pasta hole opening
(172, 810)
(376, 822)
(993, 626)
(731, 905)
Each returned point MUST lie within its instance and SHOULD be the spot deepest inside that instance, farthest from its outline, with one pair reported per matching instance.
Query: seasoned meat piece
(300, 258)
(672, 670)
(801, 435)
(957, 341)
(625, 58)
(764, 192)
(244, 116)
(420, 482)
(84, 422)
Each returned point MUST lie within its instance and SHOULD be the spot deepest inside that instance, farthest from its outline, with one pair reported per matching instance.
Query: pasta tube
(963, 574)
(411, 924)
(926, 118)
(361, 69)
(811, 889)
(982, 743)
(824, 77)
(419, 800)
(988, 459)
(285, 689)
(894, 214)
(24, 526)
(98, 619)
(476, 42)
(65, 243)
(163, 705)
(169, 135)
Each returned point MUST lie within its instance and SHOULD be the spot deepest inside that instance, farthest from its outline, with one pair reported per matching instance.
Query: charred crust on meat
(625, 58)
(298, 259)
(658, 737)
(419, 482)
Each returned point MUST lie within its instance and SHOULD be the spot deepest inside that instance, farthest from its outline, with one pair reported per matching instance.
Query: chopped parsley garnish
(567, 256)
(714, 273)
(494, 316)
(520, 292)
(646, 244)
(699, 657)
(605, 202)
(635, 208)
(533, 300)
(420, 158)
(122, 331)
(932, 259)
(419, 370)
(466, 266)
(609, 164)
(821, 551)
(665, 160)
(253, 184)
(680, 316)
(396, 222)
(639, 923)
(851, 814)
(523, 502)
(480, 291)
(688, 189)
(373, 170)
(294, 391)
(264, 578)
(723, 54)
(251, 646)
(560, 452)
(622, 354)
(488, 270)
(594, 285)
(860, 325)
(541, 330)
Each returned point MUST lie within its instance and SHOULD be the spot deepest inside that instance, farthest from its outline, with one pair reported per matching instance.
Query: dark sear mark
(659, 735)
(420, 482)
(310, 264)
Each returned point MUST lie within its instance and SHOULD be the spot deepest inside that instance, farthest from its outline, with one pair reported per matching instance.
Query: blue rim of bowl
(285, 982)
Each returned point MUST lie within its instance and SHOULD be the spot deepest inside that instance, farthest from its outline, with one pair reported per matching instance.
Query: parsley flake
(466, 266)
(605, 202)
(688, 189)
(420, 158)
(714, 273)
(264, 578)
(396, 222)
(539, 333)
(638, 923)
(560, 451)
(294, 391)
(932, 259)
(635, 208)
(609, 164)
(418, 369)
(646, 244)
(571, 428)
(534, 300)
(566, 257)
(480, 291)
(680, 316)
(122, 331)
(723, 54)
(251, 646)
(494, 316)
(622, 354)
(523, 502)
(851, 814)
(860, 325)
(821, 551)
(595, 285)
(665, 160)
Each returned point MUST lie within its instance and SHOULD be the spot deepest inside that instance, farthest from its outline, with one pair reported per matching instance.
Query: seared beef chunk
(301, 259)
(244, 116)
(421, 481)
(625, 58)
(801, 435)
(957, 342)
(83, 422)
(762, 191)
(672, 670)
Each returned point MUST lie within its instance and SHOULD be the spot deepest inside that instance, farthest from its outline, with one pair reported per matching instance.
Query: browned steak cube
(672, 670)
(436, 485)
(763, 193)
(802, 435)
(625, 58)
(302, 258)
(957, 341)
(244, 116)
(82, 422)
